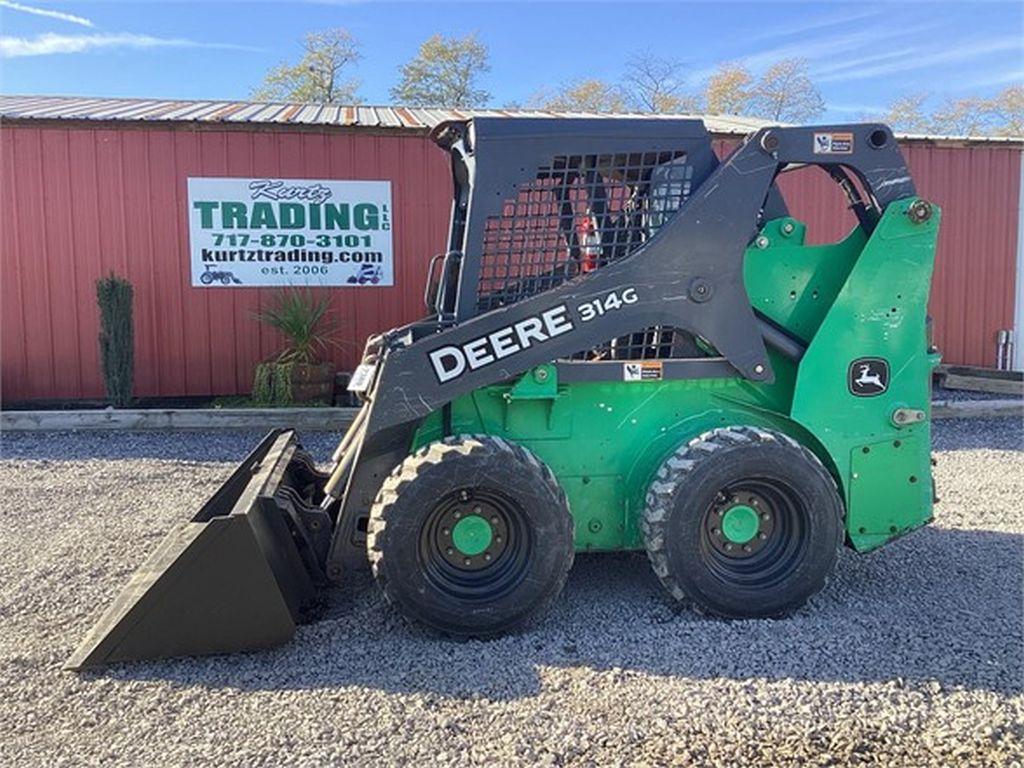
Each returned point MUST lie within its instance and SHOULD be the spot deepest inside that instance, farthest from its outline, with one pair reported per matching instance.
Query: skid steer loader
(629, 345)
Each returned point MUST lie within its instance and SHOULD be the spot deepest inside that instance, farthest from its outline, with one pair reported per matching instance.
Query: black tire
(498, 582)
(743, 522)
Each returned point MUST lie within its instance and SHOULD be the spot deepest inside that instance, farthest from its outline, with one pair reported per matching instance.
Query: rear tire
(743, 522)
(471, 536)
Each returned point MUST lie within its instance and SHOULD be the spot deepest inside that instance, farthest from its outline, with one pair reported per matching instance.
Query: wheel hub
(740, 523)
(472, 535)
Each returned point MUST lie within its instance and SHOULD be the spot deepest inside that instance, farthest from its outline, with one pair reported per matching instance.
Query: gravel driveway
(913, 656)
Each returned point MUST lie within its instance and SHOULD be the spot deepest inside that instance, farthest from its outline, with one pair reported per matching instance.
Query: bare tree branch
(654, 84)
(785, 93)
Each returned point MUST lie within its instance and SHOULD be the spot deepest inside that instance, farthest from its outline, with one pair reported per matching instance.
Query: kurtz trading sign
(290, 232)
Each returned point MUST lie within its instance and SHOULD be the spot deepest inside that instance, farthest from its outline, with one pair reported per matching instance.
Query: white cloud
(821, 52)
(50, 43)
(989, 79)
(827, 49)
(913, 59)
(856, 109)
(69, 17)
(815, 23)
(848, 64)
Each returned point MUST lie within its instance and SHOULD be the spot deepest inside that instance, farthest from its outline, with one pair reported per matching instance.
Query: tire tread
(682, 463)
(449, 449)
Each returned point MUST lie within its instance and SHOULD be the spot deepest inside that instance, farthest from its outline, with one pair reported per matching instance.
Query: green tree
(591, 95)
(1007, 110)
(907, 114)
(318, 76)
(961, 117)
(445, 73)
(1001, 115)
(784, 92)
(728, 90)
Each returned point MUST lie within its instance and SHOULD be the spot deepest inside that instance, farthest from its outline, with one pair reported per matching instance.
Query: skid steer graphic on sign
(368, 273)
(628, 345)
(222, 276)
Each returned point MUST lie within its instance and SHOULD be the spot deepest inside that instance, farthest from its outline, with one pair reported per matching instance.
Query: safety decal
(833, 143)
(868, 376)
(647, 370)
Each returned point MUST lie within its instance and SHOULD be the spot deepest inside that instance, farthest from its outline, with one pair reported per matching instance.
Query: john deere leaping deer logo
(868, 376)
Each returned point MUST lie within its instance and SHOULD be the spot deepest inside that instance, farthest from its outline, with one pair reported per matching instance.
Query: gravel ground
(913, 656)
(956, 395)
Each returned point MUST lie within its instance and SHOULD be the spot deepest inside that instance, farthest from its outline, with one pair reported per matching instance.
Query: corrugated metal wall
(76, 203)
(79, 201)
(972, 297)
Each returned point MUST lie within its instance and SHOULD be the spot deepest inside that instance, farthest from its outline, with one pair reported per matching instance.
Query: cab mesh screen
(579, 213)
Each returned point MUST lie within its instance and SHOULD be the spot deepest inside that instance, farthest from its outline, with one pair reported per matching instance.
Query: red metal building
(90, 186)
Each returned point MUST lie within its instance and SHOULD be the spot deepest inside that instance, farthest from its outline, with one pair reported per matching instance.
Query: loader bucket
(236, 577)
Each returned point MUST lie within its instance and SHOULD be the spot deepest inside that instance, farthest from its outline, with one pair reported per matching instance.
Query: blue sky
(861, 54)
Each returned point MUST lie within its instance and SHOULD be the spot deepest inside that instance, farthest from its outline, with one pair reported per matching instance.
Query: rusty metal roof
(409, 118)
(348, 116)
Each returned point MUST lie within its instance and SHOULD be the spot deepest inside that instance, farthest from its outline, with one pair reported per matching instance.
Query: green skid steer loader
(629, 345)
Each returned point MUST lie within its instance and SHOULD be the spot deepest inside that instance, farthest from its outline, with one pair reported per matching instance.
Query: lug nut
(766, 517)
(450, 551)
(476, 510)
(494, 521)
(762, 536)
(467, 561)
(487, 556)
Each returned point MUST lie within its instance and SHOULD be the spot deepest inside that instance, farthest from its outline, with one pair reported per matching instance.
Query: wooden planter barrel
(313, 383)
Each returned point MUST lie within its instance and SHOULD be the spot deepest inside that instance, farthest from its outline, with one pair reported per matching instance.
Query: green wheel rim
(472, 535)
(740, 524)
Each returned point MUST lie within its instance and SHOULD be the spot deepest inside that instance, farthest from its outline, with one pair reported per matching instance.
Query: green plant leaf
(302, 319)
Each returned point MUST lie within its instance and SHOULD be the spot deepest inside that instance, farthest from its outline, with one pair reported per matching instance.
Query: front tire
(471, 536)
(743, 522)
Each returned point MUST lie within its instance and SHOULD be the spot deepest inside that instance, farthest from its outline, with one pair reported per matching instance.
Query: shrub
(272, 384)
(302, 320)
(117, 346)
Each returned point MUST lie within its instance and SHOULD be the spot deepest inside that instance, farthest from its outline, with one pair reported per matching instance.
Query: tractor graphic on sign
(223, 276)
